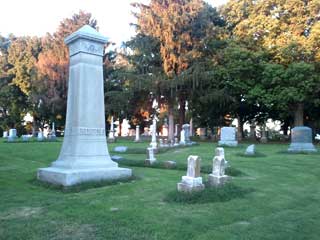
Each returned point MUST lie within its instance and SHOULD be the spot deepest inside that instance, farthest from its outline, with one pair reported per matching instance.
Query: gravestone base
(218, 180)
(52, 138)
(190, 184)
(111, 140)
(149, 162)
(154, 145)
(69, 177)
(170, 164)
(228, 143)
(264, 140)
(301, 147)
(12, 139)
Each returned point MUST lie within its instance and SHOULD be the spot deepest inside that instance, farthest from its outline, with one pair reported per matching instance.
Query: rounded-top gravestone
(301, 140)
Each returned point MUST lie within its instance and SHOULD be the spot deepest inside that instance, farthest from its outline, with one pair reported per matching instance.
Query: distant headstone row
(184, 138)
(12, 136)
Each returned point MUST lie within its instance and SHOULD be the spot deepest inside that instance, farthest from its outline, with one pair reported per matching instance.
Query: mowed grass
(276, 197)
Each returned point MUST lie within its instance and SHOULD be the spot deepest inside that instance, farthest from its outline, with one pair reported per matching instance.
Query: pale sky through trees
(36, 17)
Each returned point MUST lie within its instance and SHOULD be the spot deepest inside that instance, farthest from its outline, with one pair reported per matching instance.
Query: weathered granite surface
(228, 137)
(301, 140)
(193, 180)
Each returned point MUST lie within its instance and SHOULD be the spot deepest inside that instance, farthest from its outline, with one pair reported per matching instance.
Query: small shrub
(210, 194)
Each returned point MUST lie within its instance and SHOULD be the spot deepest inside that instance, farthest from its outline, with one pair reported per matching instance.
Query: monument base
(12, 139)
(69, 177)
(264, 140)
(301, 147)
(190, 184)
(217, 180)
(111, 140)
(149, 162)
(228, 143)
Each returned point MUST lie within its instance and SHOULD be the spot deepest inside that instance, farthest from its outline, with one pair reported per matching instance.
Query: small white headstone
(153, 143)
(120, 149)
(137, 138)
(161, 143)
(176, 142)
(111, 137)
(218, 177)
(186, 128)
(5, 134)
(251, 150)
(182, 137)
(52, 136)
(40, 136)
(26, 138)
(192, 181)
(12, 135)
(150, 156)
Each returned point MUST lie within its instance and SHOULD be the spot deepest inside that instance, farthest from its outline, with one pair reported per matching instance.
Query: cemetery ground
(274, 195)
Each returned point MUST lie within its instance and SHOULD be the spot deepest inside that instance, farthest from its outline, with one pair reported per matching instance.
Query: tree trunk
(120, 127)
(182, 112)
(298, 114)
(285, 127)
(240, 129)
(171, 123)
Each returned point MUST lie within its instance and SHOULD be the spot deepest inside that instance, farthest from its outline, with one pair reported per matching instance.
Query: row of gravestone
(192, 181)
(301, 139)
(11, 136)
(184, 137)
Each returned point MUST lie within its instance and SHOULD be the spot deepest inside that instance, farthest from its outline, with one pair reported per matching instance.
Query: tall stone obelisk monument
(84, 155)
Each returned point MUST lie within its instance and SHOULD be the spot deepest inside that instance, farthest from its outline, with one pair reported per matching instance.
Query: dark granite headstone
(301, 140)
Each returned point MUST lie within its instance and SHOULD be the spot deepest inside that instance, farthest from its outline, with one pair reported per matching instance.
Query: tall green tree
(289, 31)
(180, 27)
(52, 67)
(23, 55)
(13, 102)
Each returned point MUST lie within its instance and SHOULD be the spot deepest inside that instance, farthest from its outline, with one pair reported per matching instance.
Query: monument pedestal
(69, 177)
(190, 184)
(217, 180)
(229, 143)
(149, 162)
(301, 147)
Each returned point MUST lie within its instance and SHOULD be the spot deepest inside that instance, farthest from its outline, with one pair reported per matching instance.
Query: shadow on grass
(82, 186)
(182, 167)
(208, 195)
(256, 155)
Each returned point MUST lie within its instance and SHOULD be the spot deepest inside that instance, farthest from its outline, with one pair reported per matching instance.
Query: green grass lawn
(279, 198)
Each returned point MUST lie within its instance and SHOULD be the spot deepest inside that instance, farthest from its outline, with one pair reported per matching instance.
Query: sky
(37, 17)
